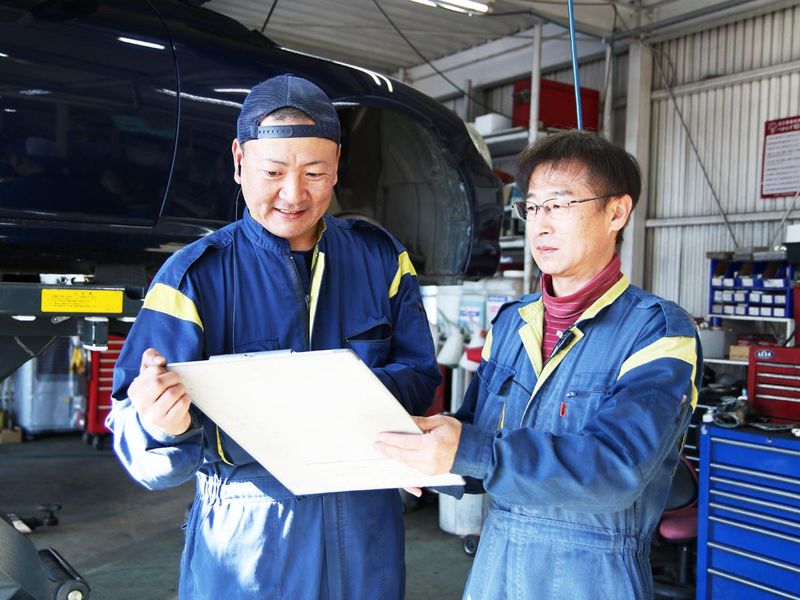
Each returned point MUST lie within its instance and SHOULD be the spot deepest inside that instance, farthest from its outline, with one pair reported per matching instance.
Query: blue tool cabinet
(748, 544)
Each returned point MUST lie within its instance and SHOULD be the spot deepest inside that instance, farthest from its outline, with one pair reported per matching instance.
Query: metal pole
(533, 132)
(608, 100)
(575, 76)
(536, 76)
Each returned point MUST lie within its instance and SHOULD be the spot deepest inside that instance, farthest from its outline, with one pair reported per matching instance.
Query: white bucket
(464, 516)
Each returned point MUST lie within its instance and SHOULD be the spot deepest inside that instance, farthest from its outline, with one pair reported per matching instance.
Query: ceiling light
(3, 55)
(463, 6)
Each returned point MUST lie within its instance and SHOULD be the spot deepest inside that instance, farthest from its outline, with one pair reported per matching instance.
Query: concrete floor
(126, 540)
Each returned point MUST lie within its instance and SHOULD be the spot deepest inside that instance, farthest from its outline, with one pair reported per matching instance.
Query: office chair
(677, 535)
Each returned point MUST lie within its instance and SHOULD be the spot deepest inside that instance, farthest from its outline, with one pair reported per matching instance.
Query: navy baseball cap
(281, 92)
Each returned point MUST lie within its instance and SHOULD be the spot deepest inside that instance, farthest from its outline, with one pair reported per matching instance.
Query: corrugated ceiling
(356, 31)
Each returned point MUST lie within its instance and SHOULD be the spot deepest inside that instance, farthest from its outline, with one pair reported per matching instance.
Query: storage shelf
(725, 361)
(512, 243)
(784, 320)
(508, 141)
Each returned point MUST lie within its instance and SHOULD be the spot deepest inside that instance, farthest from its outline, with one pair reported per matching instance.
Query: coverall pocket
(371, 341)
(500, 393)
(581, 399)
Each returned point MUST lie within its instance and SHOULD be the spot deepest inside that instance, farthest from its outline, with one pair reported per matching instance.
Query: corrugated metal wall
(727, 82)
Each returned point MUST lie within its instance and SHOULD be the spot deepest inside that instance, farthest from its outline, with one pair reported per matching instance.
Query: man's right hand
(159, 396)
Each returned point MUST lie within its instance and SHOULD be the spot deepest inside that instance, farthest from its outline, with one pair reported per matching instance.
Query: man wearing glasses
(574, 421)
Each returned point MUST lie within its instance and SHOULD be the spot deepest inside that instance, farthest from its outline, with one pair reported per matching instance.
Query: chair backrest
(684, 488)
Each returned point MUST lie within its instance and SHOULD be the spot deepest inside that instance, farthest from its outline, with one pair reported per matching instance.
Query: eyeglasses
(555, 208)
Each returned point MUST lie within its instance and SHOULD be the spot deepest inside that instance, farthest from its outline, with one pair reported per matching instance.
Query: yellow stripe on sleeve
(165, 299)
(404, 267)
(220, 451)
(681, 348)
(487, 346)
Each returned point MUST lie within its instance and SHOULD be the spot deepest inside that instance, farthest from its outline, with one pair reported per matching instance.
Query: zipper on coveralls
(566, 337)
(298, 288)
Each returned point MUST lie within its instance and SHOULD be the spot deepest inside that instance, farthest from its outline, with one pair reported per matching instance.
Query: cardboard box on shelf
(739, 352)
(10, 436)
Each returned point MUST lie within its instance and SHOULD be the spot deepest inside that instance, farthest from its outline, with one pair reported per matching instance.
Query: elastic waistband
(213, 487)
(520, 528)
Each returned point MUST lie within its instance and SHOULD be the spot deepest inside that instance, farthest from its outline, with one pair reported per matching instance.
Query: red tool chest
(99, 402)
(773, 382)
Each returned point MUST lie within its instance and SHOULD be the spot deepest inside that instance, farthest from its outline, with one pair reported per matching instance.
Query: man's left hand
(432, 453)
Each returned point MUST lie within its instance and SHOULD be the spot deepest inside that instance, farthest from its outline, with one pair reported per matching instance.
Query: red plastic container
(556, 105)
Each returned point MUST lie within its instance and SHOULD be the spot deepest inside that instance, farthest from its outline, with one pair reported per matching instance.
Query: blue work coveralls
(238, 290)
(577, 452)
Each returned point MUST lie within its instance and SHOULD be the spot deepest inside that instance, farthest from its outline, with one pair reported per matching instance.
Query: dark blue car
(116, 120)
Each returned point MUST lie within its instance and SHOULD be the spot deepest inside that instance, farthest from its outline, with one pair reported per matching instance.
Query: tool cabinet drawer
(749, 515)
(727, 586)
(754, 567)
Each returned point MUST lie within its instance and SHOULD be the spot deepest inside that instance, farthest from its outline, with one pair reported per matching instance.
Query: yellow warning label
(81, 301)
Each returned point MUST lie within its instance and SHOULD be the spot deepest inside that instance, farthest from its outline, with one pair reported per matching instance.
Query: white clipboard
(310, 418)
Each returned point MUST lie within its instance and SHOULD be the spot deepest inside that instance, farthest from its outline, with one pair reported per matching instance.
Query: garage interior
(705, 95)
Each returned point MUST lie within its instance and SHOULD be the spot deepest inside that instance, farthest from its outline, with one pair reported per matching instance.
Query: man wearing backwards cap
(284, 276)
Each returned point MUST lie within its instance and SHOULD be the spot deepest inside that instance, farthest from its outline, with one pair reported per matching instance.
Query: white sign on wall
(780, 166)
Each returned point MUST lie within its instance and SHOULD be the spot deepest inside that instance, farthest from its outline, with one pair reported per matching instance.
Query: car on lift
(116, 120)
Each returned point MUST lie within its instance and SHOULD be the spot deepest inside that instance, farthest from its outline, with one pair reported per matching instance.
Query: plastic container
(500, 290)
(715, 342)
(448, 302)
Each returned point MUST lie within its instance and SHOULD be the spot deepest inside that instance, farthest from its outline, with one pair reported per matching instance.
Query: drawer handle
(778, 365)
(753, 528)
(752, 584)
(774, 397)
(756, 446)
(756, 501)
(757, 488)
(762, 375)
(752, 473)
(758, 557)
(755, 515)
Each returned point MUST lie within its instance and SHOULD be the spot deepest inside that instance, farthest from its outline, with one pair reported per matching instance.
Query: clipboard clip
(251, 354)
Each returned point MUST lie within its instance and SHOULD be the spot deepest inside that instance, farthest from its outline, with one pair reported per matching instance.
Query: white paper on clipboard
(310, 418)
